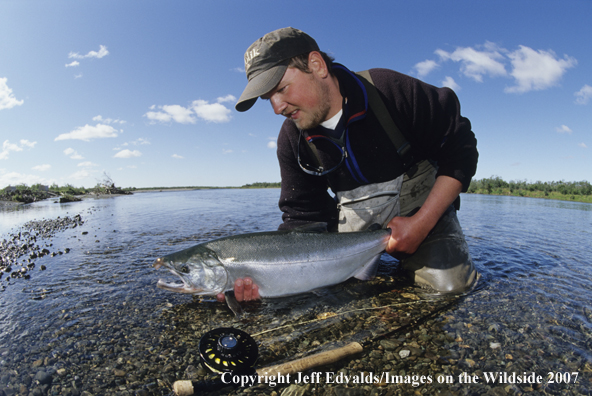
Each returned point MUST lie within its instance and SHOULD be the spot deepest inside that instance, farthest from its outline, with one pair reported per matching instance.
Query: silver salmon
(281, 263)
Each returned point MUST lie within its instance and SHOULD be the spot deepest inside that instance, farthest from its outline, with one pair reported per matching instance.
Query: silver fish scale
(283, 263)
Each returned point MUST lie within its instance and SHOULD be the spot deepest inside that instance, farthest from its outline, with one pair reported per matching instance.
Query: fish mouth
(182, 287)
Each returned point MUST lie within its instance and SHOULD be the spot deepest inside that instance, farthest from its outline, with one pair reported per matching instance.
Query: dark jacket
(429, 118)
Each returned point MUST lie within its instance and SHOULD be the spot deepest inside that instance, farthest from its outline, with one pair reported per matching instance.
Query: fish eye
(184, 269)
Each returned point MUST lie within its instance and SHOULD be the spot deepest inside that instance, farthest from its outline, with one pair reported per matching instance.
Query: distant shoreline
(553, 196)
(541, 195)
(11, 204)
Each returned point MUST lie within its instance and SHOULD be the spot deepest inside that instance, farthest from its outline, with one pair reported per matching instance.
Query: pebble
(389, 345)
(42, 377)
(27, 243)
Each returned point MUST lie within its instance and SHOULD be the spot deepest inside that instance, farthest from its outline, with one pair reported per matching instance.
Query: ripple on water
(96, 313)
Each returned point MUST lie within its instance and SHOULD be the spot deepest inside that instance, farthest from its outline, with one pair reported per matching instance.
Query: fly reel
(228, 350)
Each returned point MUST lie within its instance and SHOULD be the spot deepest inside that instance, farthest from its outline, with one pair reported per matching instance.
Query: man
(335, 136)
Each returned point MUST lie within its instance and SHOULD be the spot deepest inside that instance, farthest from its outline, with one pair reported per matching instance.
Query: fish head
(200, 271)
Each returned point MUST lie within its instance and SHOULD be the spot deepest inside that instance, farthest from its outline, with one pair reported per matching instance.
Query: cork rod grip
(310, 362)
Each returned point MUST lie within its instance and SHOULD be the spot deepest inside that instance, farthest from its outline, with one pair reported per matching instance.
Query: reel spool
(228, 350)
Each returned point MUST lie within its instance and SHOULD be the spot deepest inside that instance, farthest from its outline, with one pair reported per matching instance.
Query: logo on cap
(249, 56)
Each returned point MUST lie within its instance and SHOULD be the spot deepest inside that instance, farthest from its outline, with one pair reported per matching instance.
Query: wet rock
(43, 377)
(389, 345)
(495, 345)
(38, 363)
(119, 373)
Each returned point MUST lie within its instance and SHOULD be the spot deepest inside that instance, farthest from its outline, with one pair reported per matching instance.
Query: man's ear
(317, 65)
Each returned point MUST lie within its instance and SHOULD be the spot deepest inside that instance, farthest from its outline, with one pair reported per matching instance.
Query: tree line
(556, 189)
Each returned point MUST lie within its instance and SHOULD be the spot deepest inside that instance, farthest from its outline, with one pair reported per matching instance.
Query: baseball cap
(267, 59)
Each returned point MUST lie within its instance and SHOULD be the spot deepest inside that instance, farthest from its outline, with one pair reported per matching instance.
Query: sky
(144, 91)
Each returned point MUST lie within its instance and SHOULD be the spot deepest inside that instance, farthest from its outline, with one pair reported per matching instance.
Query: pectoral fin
(233, 304)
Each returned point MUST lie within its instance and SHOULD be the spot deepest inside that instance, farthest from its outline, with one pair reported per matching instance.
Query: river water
(90, 321)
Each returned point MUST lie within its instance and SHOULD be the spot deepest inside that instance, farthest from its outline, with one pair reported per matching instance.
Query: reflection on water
(95, 321)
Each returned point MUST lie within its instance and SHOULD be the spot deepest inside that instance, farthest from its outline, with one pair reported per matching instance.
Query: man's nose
(278, 104)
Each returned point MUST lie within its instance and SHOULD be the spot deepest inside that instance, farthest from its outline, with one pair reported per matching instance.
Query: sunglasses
(320, 170)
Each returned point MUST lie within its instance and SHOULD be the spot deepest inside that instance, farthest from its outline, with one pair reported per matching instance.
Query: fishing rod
(233, 353)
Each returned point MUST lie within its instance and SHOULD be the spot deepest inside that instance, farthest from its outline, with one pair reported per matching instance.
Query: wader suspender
(377, 105)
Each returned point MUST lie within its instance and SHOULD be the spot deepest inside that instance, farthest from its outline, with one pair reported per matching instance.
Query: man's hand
(244, 290)
(407, 233)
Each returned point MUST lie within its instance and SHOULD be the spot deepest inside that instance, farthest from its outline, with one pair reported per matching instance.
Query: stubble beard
(318, 114)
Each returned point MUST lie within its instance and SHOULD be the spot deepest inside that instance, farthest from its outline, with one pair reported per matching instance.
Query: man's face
(301, 97)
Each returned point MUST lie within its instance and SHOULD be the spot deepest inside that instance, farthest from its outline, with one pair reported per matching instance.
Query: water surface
(94, 320)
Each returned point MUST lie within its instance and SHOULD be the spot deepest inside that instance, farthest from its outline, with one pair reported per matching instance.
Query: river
(90, 321)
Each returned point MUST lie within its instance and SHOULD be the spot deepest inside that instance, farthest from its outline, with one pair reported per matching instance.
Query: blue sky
(145, 90)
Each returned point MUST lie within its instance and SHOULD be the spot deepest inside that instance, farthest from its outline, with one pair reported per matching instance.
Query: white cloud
(81, 174)
(42, 168)
(78, 76)
(537, 70)
(272, 144)
(227, 98)
(583, 95)
(531, 69)
(476, 63)
(89, 132)
(73, 154)
(424, 68)
(564, 129)
(7, 99)
(108, 120)
(7, 147)
(139, 141)
(582, 145)
(177, 156)
(92, 54)
(170, 113)
(227, 151)
(73, 64)
(15, 178)
(450, 83)
(25, 142)
(210, 112)
(87, 164)
(127, 154)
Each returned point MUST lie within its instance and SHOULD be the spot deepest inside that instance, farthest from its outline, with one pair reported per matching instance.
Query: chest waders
(442, 262)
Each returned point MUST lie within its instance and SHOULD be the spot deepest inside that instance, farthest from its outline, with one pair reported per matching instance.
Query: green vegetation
(262, 185)
(69, 198)
(68, 189)
(561, 190)
(68, 193)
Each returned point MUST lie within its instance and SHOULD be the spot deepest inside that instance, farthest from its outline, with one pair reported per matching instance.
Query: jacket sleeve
(430, 119)
(304, 198)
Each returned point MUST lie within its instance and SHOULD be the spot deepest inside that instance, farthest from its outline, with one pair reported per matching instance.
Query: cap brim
(260, 85)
